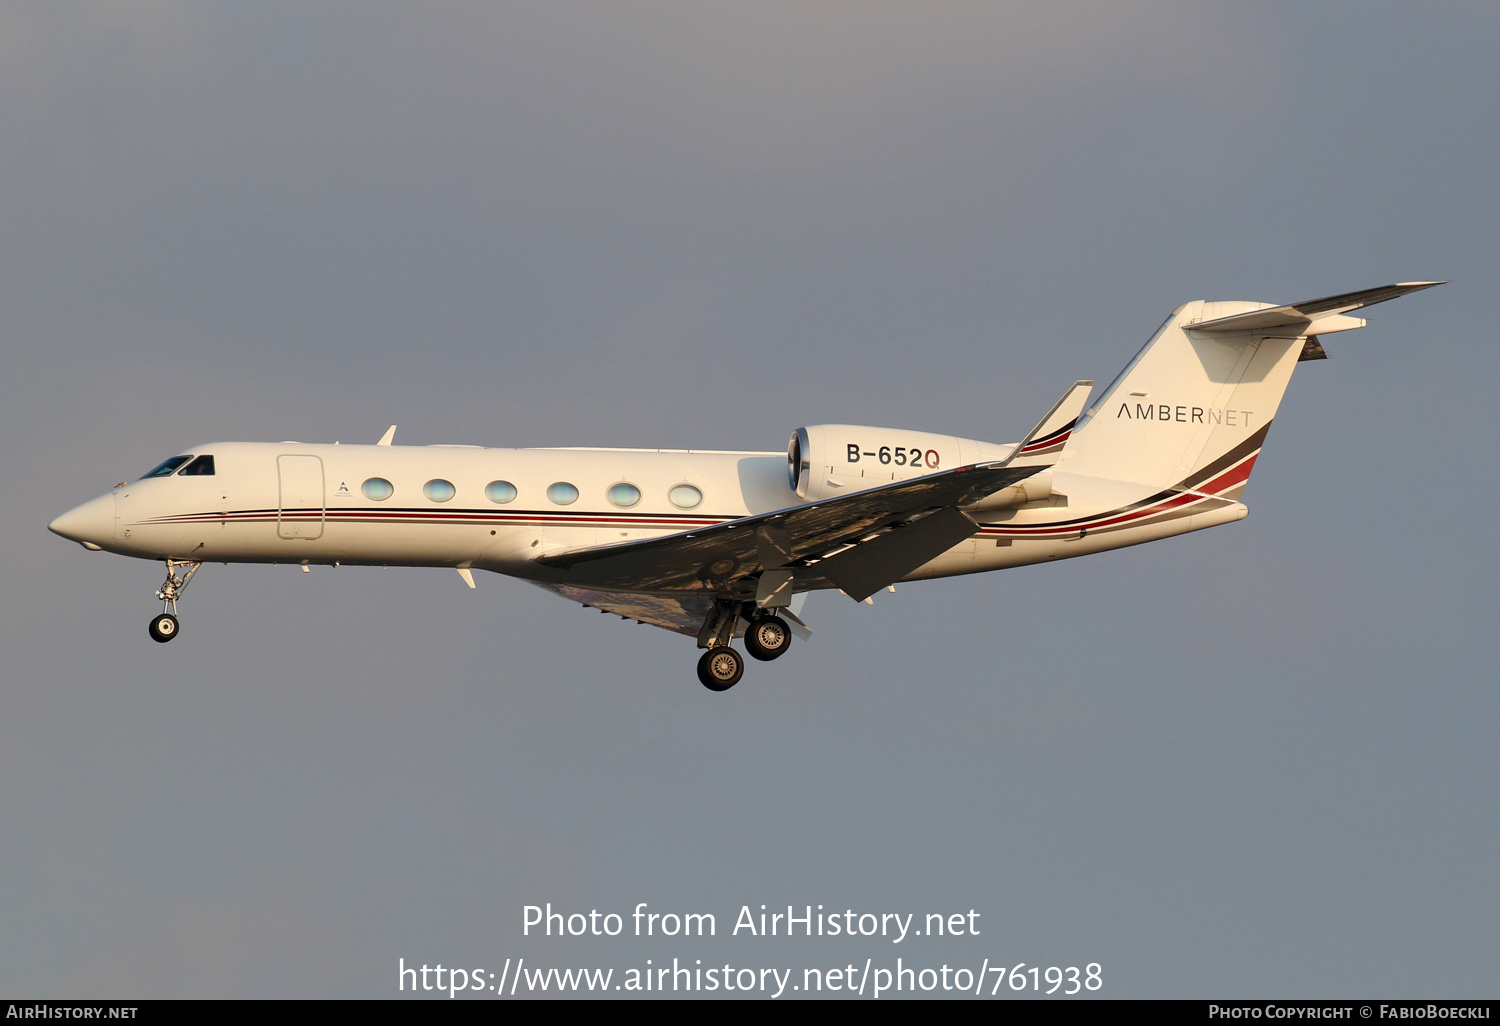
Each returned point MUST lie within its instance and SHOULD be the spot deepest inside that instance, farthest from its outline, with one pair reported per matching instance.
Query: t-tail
(1191, 411)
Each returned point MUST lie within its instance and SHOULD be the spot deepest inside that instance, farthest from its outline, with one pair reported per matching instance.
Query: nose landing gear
(164, 626)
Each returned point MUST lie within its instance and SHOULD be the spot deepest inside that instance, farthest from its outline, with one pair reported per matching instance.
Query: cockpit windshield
(203, 466)
(167, 467)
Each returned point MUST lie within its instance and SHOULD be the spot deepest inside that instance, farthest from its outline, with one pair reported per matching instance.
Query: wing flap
(863, 570)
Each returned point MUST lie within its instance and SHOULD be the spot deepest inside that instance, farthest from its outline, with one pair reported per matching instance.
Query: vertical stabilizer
(1192, 409)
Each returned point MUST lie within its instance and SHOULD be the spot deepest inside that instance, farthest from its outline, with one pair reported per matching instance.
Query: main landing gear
(720, 668)
(164, 626)
(767, 637)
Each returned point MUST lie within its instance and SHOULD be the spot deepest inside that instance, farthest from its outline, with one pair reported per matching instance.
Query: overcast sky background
(1255, 761)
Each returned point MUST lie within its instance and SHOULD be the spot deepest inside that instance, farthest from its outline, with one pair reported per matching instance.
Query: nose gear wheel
(164, 626)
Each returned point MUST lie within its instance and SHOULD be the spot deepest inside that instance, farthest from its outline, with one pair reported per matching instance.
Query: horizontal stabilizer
(1299, 316)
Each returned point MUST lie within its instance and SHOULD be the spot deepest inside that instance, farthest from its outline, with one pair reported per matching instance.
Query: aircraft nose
(91, 524)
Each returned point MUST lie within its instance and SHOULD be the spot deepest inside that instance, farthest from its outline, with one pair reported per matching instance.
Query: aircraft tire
(720, 668)
(163, 628)
(767, 637)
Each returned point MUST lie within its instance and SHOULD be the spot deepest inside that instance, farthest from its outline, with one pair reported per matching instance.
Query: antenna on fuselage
(390, 433)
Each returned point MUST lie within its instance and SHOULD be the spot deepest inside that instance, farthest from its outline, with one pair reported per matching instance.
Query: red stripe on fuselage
(591, 519)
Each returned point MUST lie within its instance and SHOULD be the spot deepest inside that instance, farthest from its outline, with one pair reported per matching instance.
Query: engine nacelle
(835, 459)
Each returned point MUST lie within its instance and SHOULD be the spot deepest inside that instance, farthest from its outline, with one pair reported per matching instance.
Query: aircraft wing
(679, 611)
(859, 542)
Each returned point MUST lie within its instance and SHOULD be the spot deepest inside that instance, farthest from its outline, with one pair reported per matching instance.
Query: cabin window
(500, 491)
(439, 490)
(377, 489)
(562, 493)
(166, 468)
(685, 496)
(203, 466)
(623, 494)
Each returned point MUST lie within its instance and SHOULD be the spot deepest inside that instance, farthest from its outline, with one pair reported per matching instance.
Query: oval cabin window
(377, 489)
(685, 496)
(439, 490)
(562, 493)
(623, 495)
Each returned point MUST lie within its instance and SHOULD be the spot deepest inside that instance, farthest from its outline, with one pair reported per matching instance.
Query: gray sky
(1258, 760)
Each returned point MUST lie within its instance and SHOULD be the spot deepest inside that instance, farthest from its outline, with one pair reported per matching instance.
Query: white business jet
(721, 545)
